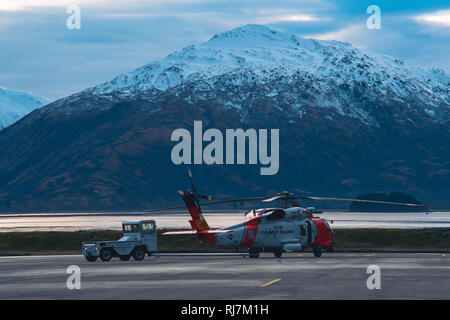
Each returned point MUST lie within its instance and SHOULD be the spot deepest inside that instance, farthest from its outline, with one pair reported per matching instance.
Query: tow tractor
(139, 238)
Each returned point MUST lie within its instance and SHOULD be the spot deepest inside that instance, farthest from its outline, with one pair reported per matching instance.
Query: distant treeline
(389, 197)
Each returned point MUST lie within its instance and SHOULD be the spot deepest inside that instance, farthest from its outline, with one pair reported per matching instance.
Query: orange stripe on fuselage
(250, 232)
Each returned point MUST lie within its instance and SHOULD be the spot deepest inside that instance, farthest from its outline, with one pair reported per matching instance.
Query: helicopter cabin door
(308, 232)
(301, 232)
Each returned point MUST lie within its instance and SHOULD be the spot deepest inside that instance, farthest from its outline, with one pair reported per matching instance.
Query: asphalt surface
(294, 276)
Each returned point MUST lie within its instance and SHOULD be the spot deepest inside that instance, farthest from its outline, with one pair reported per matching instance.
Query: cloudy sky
(38, 53)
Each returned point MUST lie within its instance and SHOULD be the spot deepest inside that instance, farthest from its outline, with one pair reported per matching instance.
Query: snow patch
(15, 104)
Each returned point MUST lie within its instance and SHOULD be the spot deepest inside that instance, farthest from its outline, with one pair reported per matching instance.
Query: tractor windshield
(130, 228)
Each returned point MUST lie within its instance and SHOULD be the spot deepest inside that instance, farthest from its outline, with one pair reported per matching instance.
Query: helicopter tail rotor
(200, 196)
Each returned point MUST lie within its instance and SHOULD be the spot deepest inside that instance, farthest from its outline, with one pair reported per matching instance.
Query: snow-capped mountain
(15, 104)
(350, 121)
(255, 55)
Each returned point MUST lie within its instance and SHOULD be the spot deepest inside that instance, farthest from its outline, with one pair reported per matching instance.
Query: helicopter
(289, 228)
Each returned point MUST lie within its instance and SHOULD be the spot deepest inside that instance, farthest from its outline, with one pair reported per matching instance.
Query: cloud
(39, 54)
(20, 5)
(341, 34)
(400, 37)
(439, 18)
(289, 18)
(23, 5)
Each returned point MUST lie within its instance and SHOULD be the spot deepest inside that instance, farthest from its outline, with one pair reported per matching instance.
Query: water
(112, 221)
(403, 220)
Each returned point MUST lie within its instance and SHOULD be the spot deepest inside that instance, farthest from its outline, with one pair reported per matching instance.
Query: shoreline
(38, 243)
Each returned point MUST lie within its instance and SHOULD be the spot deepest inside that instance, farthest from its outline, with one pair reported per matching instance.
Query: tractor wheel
(138, 254)
(317, 250)
(278, 253)
(253, 254)
(106, 254)
(91, 258)
(124, 257)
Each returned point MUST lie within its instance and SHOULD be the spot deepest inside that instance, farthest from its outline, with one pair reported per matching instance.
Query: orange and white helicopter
(289, 228)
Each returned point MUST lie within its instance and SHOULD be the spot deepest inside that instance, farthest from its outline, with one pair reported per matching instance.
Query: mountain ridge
(281, 55)
(349, 123)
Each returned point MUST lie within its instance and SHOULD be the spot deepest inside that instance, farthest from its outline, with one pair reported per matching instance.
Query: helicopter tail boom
(198, 232)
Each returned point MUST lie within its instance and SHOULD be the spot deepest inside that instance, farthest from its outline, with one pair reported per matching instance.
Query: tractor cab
(144, 231)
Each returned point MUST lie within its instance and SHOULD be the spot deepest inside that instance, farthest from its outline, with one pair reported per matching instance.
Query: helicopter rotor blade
(210, 203)
(164, 209)
(284, 196)
(289, 197)
(233, 200)
(273, 198)
(363, 200)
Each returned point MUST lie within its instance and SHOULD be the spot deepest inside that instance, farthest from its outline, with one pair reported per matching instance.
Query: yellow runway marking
(270, 282)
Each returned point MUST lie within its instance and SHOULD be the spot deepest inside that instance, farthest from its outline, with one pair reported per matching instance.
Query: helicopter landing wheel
(278, 253)
(317, 250)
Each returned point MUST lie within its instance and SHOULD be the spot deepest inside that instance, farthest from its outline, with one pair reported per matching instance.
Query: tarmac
(228, 276)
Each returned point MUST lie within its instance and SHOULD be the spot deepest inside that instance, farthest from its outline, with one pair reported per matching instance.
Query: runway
(294, 276)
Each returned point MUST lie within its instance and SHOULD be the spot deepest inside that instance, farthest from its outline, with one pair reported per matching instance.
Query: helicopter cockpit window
(276, 214)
